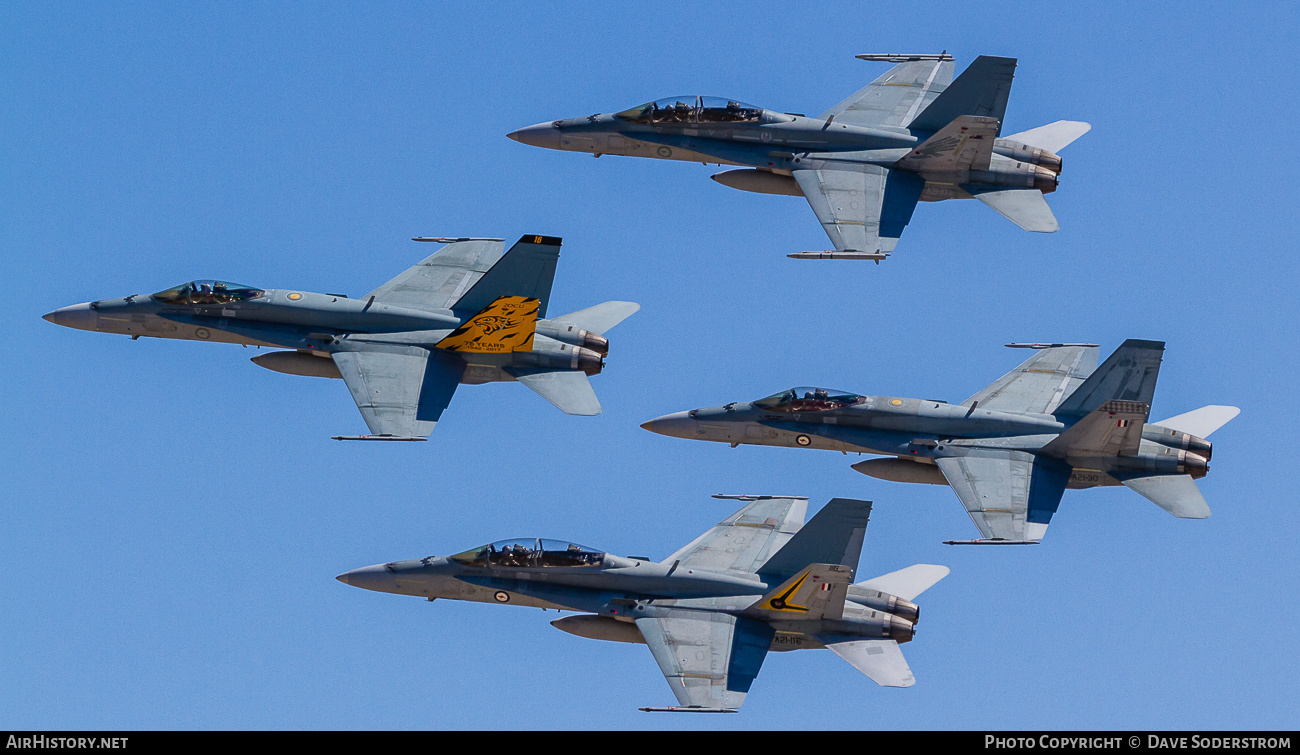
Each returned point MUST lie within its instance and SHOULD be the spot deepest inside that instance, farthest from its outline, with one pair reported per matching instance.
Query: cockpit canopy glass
(692, 110)
(808, 399)
(530, 552)
(207, 292)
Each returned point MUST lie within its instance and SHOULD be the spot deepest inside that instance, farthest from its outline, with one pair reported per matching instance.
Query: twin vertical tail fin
(981, 90)
(507, 324)
(816, 592)
(1128, 374)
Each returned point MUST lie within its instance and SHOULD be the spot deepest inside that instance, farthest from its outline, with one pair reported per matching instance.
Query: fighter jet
(466, 314)
(1010, 451)
(760, 580)
(911, 135)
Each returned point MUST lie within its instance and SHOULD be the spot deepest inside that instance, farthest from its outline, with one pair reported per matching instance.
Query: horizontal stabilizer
(1025, 207)
(1201, 422)
(907, 583)
(1175, 493)
(881, 660)
(568, 390)
(601, 317)
(1053, 137)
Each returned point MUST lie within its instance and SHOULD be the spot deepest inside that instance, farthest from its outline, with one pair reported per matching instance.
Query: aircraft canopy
(207, 292)
(530, 552)
(692, 110)
(809, 399)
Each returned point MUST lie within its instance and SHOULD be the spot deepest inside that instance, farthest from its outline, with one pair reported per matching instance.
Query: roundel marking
(295, 296)
(202, 333)
(501, 596)
(803, 440)
(897, 402)
(664, 152)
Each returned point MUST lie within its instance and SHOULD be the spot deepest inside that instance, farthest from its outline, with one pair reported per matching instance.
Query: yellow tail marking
(505, 325)
(779, 602)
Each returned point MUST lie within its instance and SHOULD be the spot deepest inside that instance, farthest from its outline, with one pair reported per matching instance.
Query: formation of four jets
(475, 312)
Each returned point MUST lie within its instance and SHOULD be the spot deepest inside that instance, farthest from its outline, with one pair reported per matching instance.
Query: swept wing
(401, 391)
(747, 538)
(862, 208)
(709, 659)
(895, 98)
(1010, 495)
(440, 279)
(1040, 383)
(450, 277)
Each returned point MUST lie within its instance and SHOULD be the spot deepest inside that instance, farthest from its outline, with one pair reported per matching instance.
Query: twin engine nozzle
(567, 347)
(899, 618)
(575, 336)
(1047, 165)
(1177, 439)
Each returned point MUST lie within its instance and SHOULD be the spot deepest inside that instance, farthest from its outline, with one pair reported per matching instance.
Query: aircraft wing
(1010, 495)
(1040, 383)
(863, 208)
(895, 98)
(440, 279)
(709, 659)
(401, 392)
(748, 537)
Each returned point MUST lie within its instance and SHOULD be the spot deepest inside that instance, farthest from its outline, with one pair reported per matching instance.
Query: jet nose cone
(79, 316)
(369, 578)
(541, 135)
(677, 425)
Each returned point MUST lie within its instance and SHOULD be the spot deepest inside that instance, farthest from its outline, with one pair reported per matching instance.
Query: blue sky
(174, 516)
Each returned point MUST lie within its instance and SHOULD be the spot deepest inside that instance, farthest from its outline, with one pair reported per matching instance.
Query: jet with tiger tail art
(471, 312)
(1010, 451)
(912, 135)
(760, 580)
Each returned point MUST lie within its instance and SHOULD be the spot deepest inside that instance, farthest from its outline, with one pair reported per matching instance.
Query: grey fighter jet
(466, 314)
(760, 580)
(1010, 451)
(911, 135)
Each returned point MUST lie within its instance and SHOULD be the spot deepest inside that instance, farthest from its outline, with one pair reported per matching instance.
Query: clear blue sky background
(173, 516)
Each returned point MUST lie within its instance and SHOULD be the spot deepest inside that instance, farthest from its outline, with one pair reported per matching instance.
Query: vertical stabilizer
(982, 89)
(1129, 374)
(527, 270)
(833, 536)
